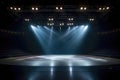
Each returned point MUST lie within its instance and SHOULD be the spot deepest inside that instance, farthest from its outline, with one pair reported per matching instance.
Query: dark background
(27, 44)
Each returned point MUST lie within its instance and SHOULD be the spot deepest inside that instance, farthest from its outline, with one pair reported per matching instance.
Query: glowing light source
(85, 8)
(50, 19)
(70, 24)
(15, 8)
(36, 9)
(11, 8)
(50, 24)
(61, 8)
(19, 9)
(108, 8)
(100, 8)
(61, 24)
(56, 8)
(27, 20)
(91, 19)
(70, 19)
(33, 8)
(103, 8)
(81, 8)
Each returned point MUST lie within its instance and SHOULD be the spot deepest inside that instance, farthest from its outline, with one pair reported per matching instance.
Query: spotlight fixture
(27, 20)
(19, 9)
(56, 8)
(91, 19)
(11, 8)
(34, 8)
(59, 8)
(70, 19)
(50, 19)
(83, 8)
(70, 24)
(100, 8)
(107, 8)
(50, 24)
(61, 24)
(15, 8)
(104, 8)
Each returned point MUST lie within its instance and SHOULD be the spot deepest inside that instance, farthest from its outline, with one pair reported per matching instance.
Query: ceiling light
(33, 8)
(100, 8)
(85, 8)
(36, 9)
(19, 8)
(81, 8)
(108, 8)
(11, 7)
(15, 8)
(57, 8)
(61, 8)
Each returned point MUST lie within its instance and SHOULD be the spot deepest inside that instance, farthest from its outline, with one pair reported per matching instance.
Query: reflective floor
(60, 67)
(60, 60)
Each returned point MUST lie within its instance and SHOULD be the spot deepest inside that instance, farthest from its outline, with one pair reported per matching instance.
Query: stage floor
(59, 67)
(59, 60)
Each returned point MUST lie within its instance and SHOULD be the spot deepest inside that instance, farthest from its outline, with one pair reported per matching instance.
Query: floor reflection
(68, 73)
(52, 67)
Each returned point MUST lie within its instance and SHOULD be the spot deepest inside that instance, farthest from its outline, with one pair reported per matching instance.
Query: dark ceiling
(109, 19)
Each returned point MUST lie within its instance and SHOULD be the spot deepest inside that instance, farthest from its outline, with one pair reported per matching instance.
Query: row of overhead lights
(51, 19)
(15, 8)
(61, 24)
(50, 24)
(104, 8)
(91, 19)
(35, 8)
(83, 8)
(59, 8)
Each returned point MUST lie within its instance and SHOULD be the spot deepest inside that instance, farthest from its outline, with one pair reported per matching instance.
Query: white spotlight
(33, 8)
(61, 8)
(27, 20)
(56, 8)
(11, 7)
(81, 8)
(108, 8)
(19, 9)
(15, 8)
(103, 8)
(85, 8)
(100, 8)
(36, 9)
(69, 19)
(52, 19)
(72, 19)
